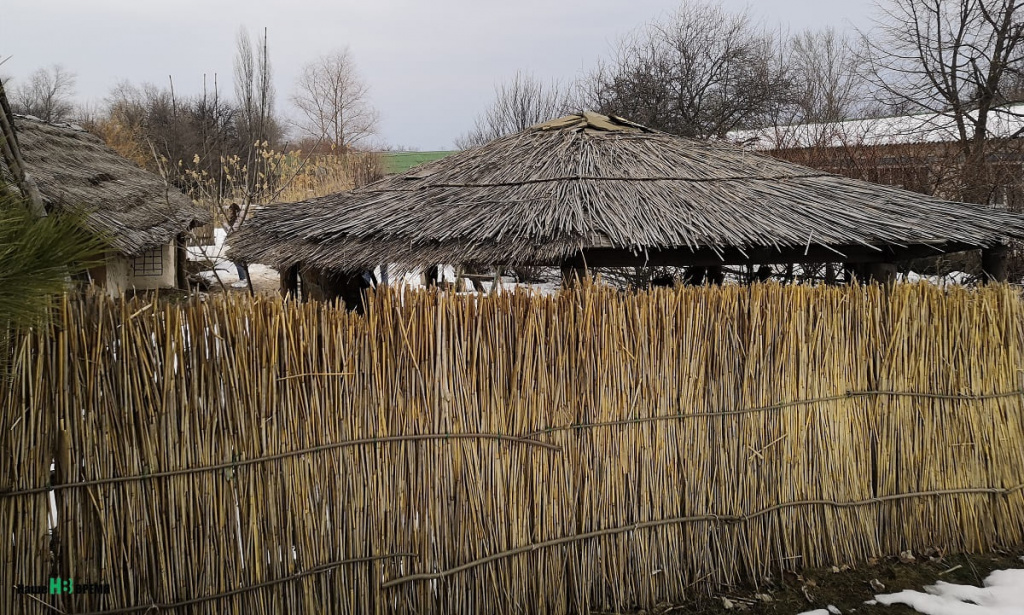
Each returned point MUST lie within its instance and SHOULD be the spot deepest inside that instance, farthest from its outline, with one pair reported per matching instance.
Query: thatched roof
(133, 208)
(587, 183)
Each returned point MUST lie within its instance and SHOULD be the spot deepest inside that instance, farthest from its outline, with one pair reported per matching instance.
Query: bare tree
(700, 73)
(47, 94)
(334, 101)
(826, 86)
(257, 128)
(254, 90)
(518, 104)
(828, 80)
(957, 59)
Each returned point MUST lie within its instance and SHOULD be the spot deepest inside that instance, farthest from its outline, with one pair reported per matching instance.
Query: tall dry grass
(445, 453)
(277, 177)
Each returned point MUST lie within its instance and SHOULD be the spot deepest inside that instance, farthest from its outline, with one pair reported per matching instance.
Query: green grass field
(400, 162)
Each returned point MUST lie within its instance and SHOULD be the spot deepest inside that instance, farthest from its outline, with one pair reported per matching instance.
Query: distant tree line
(218, 147)
(701, 72)
(704, 71)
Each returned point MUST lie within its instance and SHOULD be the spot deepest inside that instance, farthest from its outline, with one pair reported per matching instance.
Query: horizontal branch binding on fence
(316, 374)
(305, 451)
(241, 590)
(729, 519)
(779, 406)
(528, 439)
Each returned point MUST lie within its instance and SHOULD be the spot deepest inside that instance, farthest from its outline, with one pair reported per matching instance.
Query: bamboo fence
(508, 453)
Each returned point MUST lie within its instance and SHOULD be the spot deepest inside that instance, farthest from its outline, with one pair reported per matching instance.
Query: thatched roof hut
(143, 219)
(610, 192)
(134, 209)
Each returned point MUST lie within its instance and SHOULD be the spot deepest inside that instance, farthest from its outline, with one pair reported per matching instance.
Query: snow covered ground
(220, 270)
(954, 277)
(1002, 593)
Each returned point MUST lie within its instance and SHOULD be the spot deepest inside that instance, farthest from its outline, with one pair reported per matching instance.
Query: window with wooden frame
(149, 263)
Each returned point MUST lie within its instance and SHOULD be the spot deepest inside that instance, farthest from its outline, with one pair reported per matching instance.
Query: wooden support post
(180, 262)
(496, 282)
(882, 273)
(852, 273)
(460, 281)
(993, 263)
(430, 275)
(715, 275)
(290, 281)
(695, 276)
(709, 274)
(830, 274)
(574, 271)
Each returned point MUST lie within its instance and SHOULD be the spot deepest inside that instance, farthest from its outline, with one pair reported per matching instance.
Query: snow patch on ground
(1001, 594)
(953, 277)
(831, 610)
(221, 270)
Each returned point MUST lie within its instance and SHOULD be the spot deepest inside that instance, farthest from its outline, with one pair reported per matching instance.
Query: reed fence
(507, 453)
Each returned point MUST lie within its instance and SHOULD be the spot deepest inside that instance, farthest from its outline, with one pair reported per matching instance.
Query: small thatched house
(591, 190)
(143, 219)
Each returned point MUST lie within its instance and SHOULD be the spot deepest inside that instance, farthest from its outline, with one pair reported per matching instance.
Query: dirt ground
(848, 589)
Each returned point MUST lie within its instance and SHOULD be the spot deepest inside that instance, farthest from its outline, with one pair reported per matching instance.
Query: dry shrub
(316, 175)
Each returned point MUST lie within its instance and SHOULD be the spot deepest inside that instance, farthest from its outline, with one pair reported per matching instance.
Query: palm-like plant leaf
(37, 258)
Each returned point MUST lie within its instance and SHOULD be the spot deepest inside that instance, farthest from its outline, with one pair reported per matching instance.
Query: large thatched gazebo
(590, 190)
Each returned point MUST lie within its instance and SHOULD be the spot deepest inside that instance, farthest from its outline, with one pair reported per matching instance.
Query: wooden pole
(851, 273)
(881, 272)
(289, 281)
(993, 263)
(12, 156)
(496, 282)
(430, 275)
(715, 275)
(574, 271)
(180, 260)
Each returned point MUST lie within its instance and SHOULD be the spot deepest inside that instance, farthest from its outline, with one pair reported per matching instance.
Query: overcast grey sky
(431, 66)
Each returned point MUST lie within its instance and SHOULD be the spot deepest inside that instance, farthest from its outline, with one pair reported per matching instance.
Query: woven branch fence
(509, 453)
